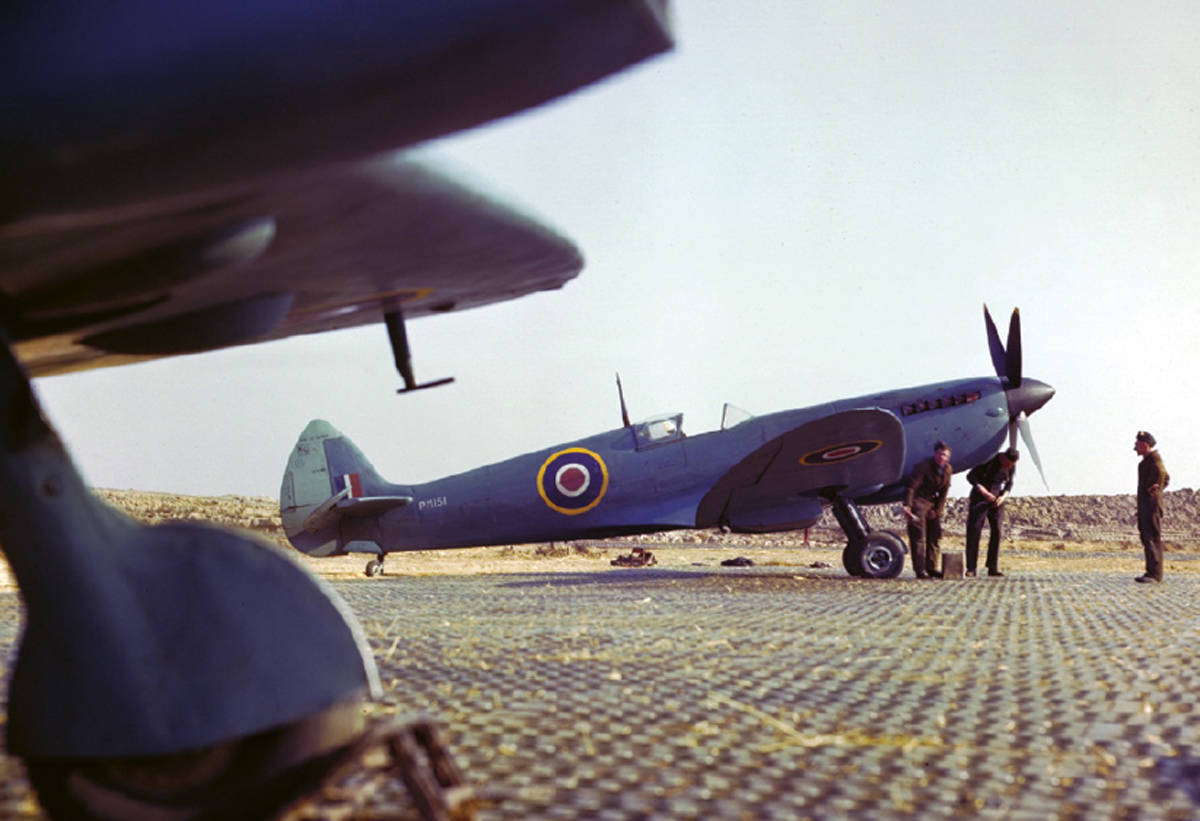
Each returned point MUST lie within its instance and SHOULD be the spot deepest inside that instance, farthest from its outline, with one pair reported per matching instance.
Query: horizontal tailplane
(335, 507)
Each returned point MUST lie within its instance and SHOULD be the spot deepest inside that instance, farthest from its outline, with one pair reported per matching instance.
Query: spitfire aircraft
(758, 474)
(183, 177)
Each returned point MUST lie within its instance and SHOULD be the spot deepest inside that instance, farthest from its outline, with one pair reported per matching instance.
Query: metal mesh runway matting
(764, 693)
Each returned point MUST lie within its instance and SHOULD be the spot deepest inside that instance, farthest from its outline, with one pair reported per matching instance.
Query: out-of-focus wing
(183, 177)
(293, 255)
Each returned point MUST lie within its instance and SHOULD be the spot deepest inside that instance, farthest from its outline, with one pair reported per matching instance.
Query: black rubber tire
(881, 555)
(852, 559)
(242, 780)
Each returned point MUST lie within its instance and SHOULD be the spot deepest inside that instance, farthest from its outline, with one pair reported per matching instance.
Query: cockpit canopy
(732, 416)
(659, 430)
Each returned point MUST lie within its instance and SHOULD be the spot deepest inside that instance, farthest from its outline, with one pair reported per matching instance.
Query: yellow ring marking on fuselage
(572, 511)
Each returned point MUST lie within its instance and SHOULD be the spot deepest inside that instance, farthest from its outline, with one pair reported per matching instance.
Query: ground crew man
(991, 483)
(923, 507)
(1152, 481)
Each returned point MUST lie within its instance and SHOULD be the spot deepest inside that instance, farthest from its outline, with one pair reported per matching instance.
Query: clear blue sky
(805, 201)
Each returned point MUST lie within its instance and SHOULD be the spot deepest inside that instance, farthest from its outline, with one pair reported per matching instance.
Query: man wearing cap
(990, 486)
(1152, 481)
(923, 506)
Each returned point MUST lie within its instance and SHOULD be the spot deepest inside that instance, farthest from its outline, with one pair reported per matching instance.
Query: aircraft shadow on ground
(652, 576)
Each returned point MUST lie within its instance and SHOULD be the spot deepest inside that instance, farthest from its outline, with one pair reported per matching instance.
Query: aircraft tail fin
(326, 480)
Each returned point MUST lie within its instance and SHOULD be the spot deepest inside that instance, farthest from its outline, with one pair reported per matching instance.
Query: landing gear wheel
(250, 778)
(374, 568)
(881, 555)
(852, 559)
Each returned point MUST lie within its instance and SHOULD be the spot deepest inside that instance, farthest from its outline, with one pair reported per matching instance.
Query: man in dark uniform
(1152, 481)
(990, 486)
(923, 506)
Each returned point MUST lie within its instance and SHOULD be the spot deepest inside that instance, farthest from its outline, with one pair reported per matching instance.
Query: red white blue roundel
(840, 453)
(572, 481)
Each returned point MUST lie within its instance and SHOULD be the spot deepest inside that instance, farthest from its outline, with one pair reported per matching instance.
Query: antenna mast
(624, 410)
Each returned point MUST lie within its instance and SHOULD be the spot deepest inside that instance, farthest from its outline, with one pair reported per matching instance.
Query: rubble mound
(1082, 518)
(257, 513)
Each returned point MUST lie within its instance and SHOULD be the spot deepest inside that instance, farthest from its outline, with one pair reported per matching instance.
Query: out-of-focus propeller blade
(1013, 350)
(995, 346)
(1027, 438)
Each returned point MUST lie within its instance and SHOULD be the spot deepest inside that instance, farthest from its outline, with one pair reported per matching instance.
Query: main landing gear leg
(181, 670)
(875, 554)
(402, 354)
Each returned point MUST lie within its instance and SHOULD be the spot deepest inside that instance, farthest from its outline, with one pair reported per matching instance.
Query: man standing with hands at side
(923, 506)
(1152, 481)
(991, 483)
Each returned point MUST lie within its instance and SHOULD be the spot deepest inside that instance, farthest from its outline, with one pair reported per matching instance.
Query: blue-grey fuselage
(766, 473)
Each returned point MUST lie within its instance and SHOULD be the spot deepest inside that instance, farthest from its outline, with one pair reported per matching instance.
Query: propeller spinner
(1024, 396)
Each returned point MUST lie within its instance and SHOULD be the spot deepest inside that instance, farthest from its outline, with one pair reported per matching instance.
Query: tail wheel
(881, 555)
(374, 568)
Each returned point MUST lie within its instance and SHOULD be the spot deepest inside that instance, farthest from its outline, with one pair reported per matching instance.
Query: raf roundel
(572, 481)
(840, 453)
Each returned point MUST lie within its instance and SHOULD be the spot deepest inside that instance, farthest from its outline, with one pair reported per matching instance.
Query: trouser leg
(916, 543)
(933, 542)
(975, 516)
(995, 516)
(1150, 529)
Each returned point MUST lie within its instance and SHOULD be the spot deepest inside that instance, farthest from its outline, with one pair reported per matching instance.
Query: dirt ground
(1014, 558)
(1081, 556)
(1115, 552)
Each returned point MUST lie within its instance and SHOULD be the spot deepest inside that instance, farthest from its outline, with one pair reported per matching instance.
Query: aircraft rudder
(306, 485)
(350, 468)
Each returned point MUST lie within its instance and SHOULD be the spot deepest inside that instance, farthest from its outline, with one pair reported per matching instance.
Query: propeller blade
(1027, 437)
(1013, 350)
(995, 346)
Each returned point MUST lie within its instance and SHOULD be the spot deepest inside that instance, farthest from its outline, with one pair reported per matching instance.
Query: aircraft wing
(291, 255)
(850, 451)
(184, 177)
